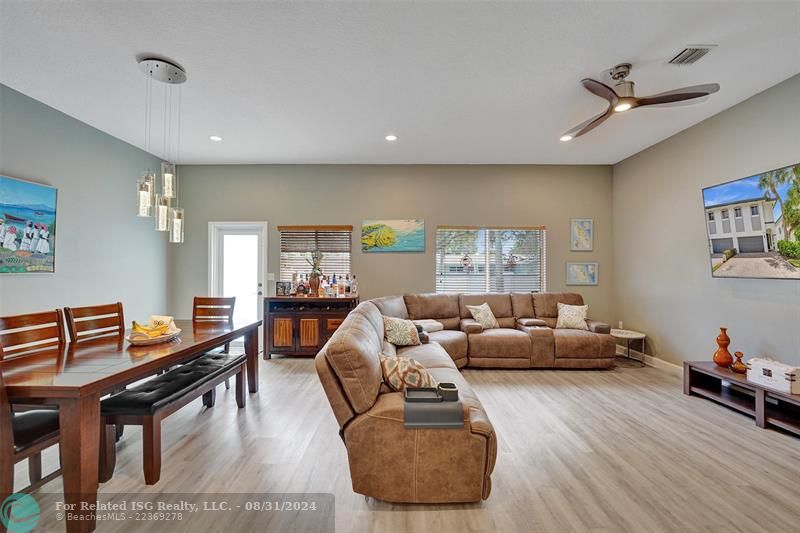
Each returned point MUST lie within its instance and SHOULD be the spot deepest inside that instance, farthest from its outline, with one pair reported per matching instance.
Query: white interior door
(237, 260)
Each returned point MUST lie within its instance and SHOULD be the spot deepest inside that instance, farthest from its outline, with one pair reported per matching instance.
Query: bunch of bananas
(150, 331)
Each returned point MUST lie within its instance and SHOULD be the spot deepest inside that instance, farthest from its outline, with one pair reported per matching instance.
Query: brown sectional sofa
(391, 463)
(526, 338)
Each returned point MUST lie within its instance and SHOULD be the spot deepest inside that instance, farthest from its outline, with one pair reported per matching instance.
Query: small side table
(629, 336)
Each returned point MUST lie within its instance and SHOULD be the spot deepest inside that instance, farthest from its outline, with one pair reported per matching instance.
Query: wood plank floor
(579, 451)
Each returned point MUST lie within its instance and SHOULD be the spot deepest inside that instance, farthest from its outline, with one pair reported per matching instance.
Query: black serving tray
(422, 395)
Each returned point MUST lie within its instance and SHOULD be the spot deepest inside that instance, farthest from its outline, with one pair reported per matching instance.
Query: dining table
(75, 376)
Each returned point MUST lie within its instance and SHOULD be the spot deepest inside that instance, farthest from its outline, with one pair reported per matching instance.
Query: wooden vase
(722, 357)
(739, 367)
(313, 285)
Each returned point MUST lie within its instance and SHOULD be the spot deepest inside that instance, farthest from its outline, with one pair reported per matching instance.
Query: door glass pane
(240, 274)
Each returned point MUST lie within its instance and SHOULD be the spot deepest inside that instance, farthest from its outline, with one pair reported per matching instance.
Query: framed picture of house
(27, 227)
(584, 273)
(581, 235)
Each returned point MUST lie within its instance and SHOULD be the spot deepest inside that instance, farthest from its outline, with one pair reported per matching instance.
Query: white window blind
(298, 242)
(490, 259)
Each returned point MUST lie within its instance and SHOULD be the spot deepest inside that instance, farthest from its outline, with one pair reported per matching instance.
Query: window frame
(289, 266)
(486, 268)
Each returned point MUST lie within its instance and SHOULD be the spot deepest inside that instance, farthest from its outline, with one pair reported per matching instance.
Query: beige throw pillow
(400, 332)
(572, 316)
(483, 315)
(402, 372)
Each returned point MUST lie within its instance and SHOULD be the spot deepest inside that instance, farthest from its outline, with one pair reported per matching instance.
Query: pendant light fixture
(152, 200)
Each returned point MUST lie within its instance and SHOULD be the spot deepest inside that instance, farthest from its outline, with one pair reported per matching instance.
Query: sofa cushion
(431, 305)
(353, 353)
(401, 372)
(483, 315)
(373, 314)
(393, 306)
(575, 343)
(428, 355)
(499, 303)
(441, 307)
(429, 325)
(522, 305)
(454, 342)
(500, 342)
(400, 332)
(572, 316)
(531, 322)
(545, 304)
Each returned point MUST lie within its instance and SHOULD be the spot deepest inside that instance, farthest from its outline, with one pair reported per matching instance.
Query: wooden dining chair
(95, 321)
(24, 436)
(214, 309)
(35, 331)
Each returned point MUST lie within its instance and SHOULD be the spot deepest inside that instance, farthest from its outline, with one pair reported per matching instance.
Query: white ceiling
(468, 82)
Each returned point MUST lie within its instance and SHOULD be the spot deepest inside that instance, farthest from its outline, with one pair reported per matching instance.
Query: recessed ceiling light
(215, 138)
(391, 137)
(565, 138)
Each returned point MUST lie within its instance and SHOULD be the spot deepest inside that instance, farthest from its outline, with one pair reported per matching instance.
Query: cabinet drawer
(332, 324)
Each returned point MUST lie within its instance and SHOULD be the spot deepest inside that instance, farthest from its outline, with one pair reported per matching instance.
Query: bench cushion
(32, 426)
(152, 395)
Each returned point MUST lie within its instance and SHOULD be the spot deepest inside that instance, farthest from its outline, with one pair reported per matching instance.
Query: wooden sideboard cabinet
(301, 326)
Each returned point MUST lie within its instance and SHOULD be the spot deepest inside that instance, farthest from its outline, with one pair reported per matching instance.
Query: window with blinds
(490, 259)
(298, 242)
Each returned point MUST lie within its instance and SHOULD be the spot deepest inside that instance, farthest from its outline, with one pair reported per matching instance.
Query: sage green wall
(440, 194)
(104, 253)
(661, 266)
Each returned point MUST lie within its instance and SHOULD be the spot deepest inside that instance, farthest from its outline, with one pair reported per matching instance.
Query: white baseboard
(650, 360)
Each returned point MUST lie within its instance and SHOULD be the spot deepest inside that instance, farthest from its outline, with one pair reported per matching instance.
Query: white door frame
(214, 229)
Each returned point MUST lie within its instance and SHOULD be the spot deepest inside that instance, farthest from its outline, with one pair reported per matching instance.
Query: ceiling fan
(621, 98)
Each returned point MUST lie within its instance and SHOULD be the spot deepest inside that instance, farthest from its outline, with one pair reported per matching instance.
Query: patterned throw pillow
(483, 315)
(402, 372)
(572, 316)
(400, 332)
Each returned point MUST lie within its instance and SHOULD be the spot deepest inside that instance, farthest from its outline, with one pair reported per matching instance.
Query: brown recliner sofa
(391, 463)
(527, 336)
(387, 461)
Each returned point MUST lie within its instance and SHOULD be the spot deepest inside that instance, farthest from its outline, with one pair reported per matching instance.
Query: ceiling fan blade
(589, 125)
(600, 89)
(679, 95)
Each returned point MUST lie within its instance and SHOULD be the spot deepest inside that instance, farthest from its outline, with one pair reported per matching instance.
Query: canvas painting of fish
(27, 226)
(393, 236)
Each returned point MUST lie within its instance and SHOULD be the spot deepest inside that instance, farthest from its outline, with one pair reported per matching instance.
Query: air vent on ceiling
(691, 54)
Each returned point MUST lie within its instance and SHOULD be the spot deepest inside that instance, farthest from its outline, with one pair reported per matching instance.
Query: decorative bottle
(722, 357)
(354, 287)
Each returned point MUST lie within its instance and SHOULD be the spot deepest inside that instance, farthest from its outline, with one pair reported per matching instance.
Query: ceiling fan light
(622, 106)
(565, 138)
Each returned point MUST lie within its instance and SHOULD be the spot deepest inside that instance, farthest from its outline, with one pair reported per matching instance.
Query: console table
(297, 325)
(769, 407)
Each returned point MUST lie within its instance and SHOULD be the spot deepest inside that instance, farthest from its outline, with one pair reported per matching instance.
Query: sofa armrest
(531, 322)
(470, 325)
(595, 326)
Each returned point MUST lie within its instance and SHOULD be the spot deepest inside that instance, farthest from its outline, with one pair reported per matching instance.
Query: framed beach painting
(27, 227)
(582, 273)
(380, 236)
(581, 234)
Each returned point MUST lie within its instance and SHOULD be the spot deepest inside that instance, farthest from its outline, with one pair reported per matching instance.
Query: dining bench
(148, 403)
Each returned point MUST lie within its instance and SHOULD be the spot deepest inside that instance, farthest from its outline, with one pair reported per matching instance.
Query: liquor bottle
(347, 285)
(340, 288)
(334, 285)
(354, 287)
(293, 290)
(301, 286)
